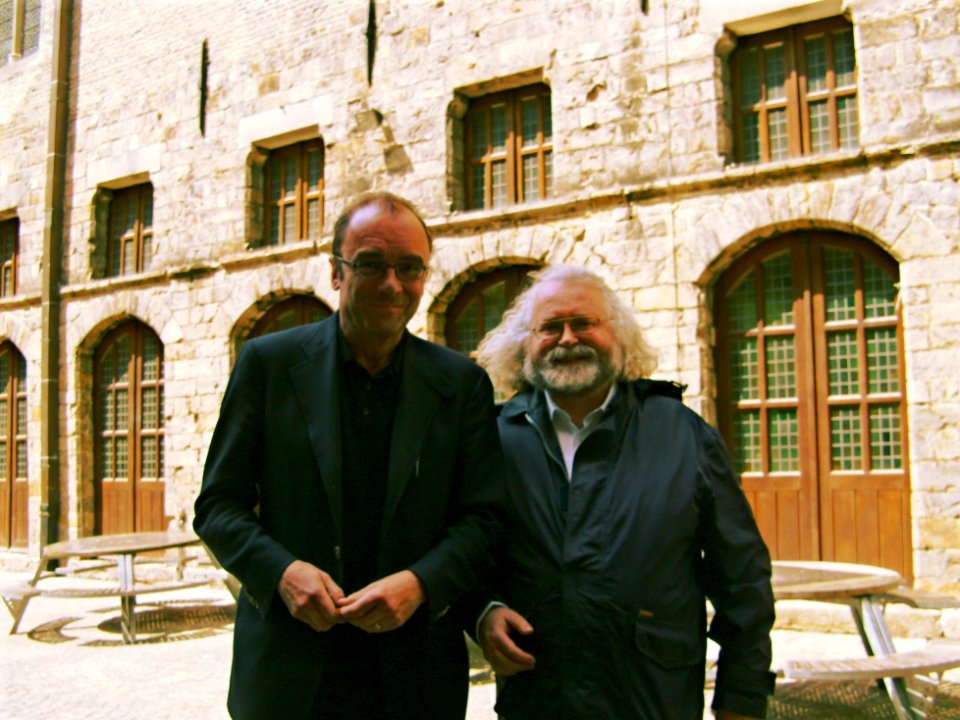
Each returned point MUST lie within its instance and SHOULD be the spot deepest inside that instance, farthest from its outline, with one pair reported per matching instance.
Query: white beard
(592, 370)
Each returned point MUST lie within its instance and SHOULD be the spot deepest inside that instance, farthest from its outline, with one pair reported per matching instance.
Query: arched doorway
(13, 447)
(128, 397)
(811, 397)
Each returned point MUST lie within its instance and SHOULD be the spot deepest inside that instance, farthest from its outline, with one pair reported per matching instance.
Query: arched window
(811, 397)
(13, 447)
(294, 311)
(128, 368)
(480, 305)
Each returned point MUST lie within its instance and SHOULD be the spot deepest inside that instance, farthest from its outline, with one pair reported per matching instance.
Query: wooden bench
(937, 656)
(16, 597)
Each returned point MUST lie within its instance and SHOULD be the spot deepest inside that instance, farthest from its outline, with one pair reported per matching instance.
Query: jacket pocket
(670, 646)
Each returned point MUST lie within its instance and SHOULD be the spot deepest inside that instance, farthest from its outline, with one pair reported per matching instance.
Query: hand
(384, 604)
(729, 715)
(311, 595)
(498, 647)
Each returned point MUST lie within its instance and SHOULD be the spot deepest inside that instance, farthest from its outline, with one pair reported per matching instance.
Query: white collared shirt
(569, 435)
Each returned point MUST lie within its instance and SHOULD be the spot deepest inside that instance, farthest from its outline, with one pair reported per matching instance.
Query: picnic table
(866, 589)
(122, 548)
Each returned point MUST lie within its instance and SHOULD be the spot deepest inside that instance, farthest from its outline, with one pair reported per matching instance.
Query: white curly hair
(503, 350)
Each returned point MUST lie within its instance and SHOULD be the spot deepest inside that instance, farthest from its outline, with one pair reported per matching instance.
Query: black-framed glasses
(578, 324)
(407, 271)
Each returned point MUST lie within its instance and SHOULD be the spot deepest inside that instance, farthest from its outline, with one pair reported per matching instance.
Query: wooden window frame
(137, 239)
(13, 435)
(304, 308)
(798, 98)
(9, 256)
(514, 277)
(514, 151)
(299, 198)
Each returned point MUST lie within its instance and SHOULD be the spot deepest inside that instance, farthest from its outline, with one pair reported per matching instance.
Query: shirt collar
(560, 416)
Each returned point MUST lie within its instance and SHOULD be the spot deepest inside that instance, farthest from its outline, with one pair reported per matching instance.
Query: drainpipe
(53, 235)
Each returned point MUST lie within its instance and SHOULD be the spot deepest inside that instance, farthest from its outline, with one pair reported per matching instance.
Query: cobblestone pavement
(68, 659)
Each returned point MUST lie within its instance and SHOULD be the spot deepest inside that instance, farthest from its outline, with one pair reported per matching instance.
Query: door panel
(809, 359)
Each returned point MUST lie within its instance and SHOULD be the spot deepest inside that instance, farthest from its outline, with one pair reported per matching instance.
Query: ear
(335, 274)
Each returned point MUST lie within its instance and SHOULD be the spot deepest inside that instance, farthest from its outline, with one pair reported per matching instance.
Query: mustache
(577, 352)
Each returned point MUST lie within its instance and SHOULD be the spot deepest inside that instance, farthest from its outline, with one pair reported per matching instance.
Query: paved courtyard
(68, 659)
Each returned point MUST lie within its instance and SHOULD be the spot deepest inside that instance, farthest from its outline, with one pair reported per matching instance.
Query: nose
(391, 281)
(568, 337)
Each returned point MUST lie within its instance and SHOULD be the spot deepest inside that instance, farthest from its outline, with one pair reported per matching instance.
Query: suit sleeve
(455, 566)
(737, 571)
(225, 516)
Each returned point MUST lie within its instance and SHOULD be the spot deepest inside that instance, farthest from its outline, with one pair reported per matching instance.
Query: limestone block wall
(645, 189)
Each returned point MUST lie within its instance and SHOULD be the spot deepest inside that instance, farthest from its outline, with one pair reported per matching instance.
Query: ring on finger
(377, 627)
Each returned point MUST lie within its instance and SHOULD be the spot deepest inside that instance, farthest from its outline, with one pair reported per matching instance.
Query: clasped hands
(313, 597)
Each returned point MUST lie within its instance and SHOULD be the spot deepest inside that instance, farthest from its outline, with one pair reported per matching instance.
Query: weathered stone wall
(644, 189)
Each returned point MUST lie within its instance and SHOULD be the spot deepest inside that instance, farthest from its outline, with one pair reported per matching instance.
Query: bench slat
(936, 656)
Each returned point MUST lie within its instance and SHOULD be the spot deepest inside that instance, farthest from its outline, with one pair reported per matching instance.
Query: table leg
(128, 603)
(875, 635)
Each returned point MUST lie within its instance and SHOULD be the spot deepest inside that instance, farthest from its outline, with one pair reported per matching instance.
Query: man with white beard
(625, 517)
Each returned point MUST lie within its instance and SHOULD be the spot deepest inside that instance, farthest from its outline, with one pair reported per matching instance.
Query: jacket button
(336, 552)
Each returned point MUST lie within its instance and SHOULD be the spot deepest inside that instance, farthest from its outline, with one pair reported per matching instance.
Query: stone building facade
(650, 185)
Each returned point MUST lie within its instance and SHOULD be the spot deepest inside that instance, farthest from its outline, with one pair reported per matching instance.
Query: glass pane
(274, 225)
(4, 416)
(276, 185)
(885, 446)
(819, 127)
(477, 199)
(879, 292)
(148, 459)
(151, 358)
(121, 470)
(781, 376)
(547, 118)
(499, 180)
(778, 290)
(745, 369)
(106, 463)
(848, 122)
(842, 363)
(290, 179)
(742, 304)
(129, 256)
(494, 305)
(498, 120)
(845, 439)
(746, 432)
(479, 134)
(21, 403)
(530, 112)
(776, 73)
(844, 58)
(147, 244)
(749, 78)
(31, 25)
(784, 443)
(122, 408)
(148, 409)
(147, 208)
(816, 64)
(6, 31)
(5, 361)
(779, 141)
(548, 174)
(751, 137)
(314, 170)
(466, 328)
(882, 366)
(839, 284)
(3, 459)
(531, 178)
(289, 223)
(313, 218)
(107, 415)
(21, 460)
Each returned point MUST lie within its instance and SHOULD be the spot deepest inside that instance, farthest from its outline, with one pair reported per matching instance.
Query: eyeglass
(579, 325)
(407, 271)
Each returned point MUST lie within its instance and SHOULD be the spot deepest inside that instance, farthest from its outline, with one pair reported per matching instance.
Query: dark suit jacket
(271, 494)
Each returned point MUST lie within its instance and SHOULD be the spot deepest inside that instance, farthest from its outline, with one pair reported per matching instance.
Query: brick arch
(248, 319)
(456, 283)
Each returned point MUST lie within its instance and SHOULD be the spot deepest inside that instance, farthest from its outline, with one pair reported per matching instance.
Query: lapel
(424, 385)
(317, 383)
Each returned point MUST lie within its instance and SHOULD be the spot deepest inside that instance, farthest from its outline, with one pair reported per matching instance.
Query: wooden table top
(123, 543)
(811, 580)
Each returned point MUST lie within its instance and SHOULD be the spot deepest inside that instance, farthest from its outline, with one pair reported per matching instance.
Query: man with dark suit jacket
(353, 485)
(624, 517)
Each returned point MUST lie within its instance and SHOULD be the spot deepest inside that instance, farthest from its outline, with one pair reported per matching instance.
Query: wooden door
(13, 448)
(129, 431)
(809, 359)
